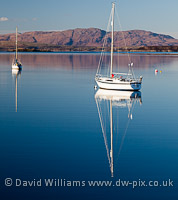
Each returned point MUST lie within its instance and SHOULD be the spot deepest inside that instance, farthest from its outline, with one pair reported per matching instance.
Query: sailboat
(110, 101)
(16, 64)
(117, 81)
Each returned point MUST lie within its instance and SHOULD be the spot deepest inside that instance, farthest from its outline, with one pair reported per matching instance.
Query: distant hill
(93, 37)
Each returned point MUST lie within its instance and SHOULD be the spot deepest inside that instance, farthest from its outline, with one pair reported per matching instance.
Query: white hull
(16, 67)
(117, 84)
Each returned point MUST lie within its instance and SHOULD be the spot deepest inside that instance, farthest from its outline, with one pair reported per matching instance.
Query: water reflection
(108, 103)
(77, 61)
(15, 74)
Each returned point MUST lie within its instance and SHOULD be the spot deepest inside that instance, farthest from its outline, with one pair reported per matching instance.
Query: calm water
(50, 127)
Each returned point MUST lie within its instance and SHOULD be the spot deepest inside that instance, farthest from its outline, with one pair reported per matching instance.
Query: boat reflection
(16, 73)
(108, 104)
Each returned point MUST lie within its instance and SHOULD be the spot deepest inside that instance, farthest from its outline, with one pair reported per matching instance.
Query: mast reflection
(16, 73)
(107, 101)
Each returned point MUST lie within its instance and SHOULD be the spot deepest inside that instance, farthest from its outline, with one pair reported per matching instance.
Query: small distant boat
(16, 64)
(117, 81)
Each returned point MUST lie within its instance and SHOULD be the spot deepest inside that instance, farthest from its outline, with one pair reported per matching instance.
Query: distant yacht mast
(16, 44)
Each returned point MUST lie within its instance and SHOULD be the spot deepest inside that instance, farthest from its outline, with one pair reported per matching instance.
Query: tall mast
(16, 44)
(111, 152)
(112, 41)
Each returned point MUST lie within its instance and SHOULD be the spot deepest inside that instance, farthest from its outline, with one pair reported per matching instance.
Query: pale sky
(158, 16)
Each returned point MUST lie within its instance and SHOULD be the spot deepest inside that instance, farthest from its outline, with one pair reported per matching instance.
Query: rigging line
(117, 135)
(101, 56)
(107, 105)
(123, 138)
(125, 44)
(107, 31)
(132, 108)
(117, 138)
(102, 51)
(123, 36)
(132, 70)
(102, 127)
(109, 69)
(129, 106)
(100, 114)
(125, 131)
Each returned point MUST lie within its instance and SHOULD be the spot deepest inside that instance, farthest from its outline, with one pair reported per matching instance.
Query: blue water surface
(50, 128)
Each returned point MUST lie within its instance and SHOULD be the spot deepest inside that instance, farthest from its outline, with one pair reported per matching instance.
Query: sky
(159, 16)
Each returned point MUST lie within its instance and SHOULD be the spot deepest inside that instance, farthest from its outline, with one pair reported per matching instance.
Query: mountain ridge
(85, 37)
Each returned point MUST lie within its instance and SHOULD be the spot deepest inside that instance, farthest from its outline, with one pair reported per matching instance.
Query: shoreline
(42, 47)
(91, 52)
